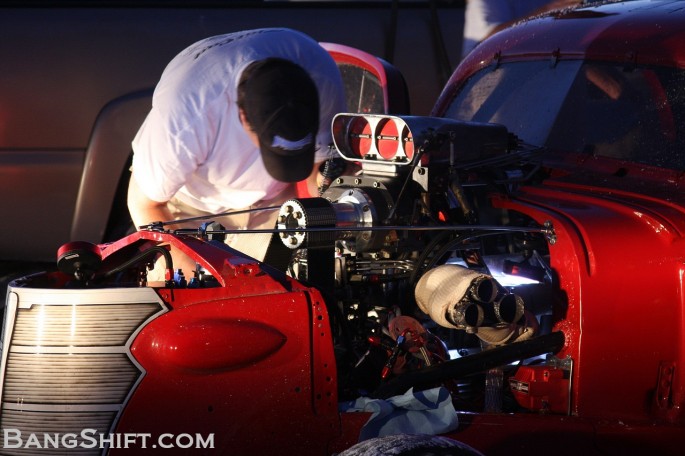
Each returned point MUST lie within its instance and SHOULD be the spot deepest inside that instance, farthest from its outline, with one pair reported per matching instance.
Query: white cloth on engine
(414, 412)
(192, 144)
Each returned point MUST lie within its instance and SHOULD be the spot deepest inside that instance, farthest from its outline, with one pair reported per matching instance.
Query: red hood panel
(620, 262)
(658, 216)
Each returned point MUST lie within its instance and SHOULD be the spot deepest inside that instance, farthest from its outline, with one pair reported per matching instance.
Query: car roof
(649, 32)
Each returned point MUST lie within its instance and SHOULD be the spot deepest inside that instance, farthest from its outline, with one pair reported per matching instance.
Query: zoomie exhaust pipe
(458, 297)
(452, 296)
(509, 308)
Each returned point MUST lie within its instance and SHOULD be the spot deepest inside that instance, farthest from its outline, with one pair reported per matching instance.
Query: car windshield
(635, 114)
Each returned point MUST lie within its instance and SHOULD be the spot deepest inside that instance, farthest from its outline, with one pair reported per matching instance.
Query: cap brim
(292, 166)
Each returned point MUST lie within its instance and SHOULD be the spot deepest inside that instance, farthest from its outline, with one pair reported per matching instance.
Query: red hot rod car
(513, 266)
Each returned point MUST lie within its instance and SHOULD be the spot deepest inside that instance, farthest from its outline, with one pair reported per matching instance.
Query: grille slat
(79, 325)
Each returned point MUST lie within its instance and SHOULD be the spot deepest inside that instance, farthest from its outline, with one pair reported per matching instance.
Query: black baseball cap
(281, 104)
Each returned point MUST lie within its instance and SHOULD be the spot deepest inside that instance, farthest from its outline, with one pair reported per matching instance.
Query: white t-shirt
(192, 145)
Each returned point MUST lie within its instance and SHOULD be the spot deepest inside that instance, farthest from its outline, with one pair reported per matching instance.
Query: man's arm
(144, 210)
(314, 180)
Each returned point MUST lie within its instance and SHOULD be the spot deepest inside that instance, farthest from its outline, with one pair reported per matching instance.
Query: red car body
(255, 356)
(624, 321)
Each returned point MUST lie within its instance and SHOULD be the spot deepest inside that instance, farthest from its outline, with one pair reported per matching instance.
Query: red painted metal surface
(649, 33)
(629, 312)
(541, 388)
(507, 434)
(254, 362)
(282, 371)
(392, 84)
(624, 317)
(619, 250)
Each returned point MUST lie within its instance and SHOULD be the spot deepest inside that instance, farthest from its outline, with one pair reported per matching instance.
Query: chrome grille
(66, 363)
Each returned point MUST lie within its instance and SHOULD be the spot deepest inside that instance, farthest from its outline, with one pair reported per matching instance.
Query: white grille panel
(66, 364)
